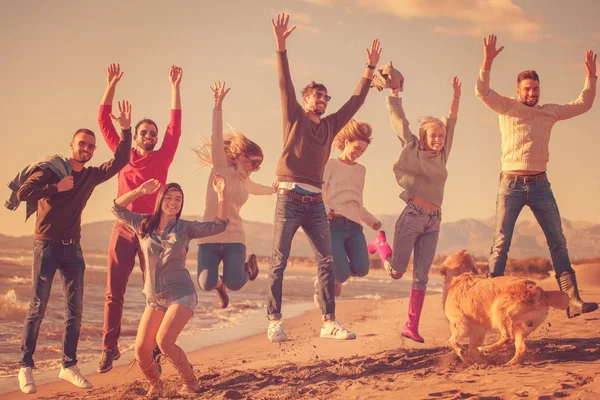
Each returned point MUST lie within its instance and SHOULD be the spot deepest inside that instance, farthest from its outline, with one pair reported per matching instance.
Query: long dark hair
(150, 222)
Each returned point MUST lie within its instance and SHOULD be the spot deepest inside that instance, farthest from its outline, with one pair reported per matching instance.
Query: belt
(66, 242)
(526, 179)
(305, 198)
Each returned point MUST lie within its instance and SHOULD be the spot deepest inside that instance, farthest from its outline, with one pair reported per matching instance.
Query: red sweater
(154, 165)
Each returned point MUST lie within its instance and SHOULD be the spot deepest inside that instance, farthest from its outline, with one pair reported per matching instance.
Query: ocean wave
(19, 280)
(11, 307)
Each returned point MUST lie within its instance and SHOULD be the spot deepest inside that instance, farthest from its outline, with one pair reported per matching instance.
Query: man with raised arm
(56, 247)
(525, 127)
(307, 139)
(145, 163)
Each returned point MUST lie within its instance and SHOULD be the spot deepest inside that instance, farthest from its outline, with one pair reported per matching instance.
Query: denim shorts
(161, 303)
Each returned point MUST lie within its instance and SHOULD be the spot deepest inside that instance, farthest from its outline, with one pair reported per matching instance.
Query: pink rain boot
(415, 306)
(385, 253)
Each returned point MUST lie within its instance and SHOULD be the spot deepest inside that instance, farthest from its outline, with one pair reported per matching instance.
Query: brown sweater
(59, 214)
(307, 145)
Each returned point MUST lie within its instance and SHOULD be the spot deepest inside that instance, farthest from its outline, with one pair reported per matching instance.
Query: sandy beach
(563, 360)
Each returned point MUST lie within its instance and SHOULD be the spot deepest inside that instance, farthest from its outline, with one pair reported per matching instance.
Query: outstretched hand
(219, 93)
(150, 186)
(375, 53)
(175, 75)
(489, 48)
(456, 85)
(124, 118)
(219, 184)
(281, 31)
(590, 63)
(114, 74)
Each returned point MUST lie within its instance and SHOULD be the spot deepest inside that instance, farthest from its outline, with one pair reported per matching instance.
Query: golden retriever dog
(475, 304)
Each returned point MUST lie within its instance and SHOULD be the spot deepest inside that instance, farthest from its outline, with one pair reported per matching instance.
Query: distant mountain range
(583, 238)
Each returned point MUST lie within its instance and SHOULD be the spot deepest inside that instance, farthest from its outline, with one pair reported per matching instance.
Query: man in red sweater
(145, 163)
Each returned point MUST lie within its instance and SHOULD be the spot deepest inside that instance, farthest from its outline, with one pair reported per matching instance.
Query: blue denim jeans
(291, 214)
(349, 249)
(512, 197)
(233, 256)
(48, 257)
(418, 229)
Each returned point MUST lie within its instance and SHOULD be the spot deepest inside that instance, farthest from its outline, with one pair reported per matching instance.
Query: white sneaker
(333, 330)
(26, 382)
(73, 375)
(275, 332)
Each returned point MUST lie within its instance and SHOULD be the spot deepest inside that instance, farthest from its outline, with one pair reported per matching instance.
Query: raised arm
(290, 107)
(173, 133)
(217, 148)
(123, 150)
(40, 184)
(398, 119)
(111, 137)
(131, 219)
(347, 111)
(203, 229)
(258, 189)
(489, 97)
(585, 100)
(452, 115)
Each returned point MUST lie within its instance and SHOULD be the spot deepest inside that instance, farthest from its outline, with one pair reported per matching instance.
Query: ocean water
(249, 302)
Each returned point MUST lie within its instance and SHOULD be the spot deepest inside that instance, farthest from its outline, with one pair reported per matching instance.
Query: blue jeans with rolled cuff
(349, 249)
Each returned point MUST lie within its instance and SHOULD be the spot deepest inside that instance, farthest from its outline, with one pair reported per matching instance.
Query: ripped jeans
(48, 257)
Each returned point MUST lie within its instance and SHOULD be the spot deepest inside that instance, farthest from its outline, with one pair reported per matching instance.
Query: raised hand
(281, 31)
(65, 184)
(489, 48)
(219, 184)
(175, 75)
(124, 118)
(150, 186)
(395, 91)
(375, 53)
(590, 63)
(114, 74)
(219, 93)
(456, 85)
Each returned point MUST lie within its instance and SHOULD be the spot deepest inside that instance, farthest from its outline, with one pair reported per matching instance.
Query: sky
(55, 55)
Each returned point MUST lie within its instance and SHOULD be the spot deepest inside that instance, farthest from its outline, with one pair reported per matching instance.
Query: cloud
(460, 17)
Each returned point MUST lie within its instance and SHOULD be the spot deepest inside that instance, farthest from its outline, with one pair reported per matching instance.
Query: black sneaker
(158, 357)
(108, 356)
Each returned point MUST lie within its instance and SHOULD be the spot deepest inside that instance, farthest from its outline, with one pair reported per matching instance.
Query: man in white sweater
(525, 127)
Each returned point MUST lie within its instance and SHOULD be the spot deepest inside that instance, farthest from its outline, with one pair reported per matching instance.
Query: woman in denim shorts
(421, 171)
(169, 289)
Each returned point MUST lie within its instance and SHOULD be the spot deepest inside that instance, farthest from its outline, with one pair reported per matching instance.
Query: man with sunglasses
(146, 163)
(56, 246)
(307, 140)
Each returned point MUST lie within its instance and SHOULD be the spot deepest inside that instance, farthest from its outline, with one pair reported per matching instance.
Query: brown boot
(568, 284)
(186, 371)
(153, 377)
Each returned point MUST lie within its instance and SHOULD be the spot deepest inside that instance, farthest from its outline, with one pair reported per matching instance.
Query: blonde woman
(421, 171)
(170, 294)
(344, 181)
(235, 158)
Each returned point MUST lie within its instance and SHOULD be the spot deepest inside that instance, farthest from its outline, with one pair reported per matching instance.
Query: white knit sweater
(343, 191)
(526, 130)
(238, 188)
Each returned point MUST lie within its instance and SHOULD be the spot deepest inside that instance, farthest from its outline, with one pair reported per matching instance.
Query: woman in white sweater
(235, 158)
(344, 180)
(421, 171)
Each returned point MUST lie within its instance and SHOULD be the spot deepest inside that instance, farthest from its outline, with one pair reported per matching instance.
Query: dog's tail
(556, 299)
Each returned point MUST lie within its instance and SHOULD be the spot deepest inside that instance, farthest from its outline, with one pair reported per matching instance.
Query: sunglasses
(323, 96)
(151, 133)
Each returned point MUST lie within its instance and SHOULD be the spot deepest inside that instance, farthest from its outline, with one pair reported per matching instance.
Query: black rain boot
(568, 284)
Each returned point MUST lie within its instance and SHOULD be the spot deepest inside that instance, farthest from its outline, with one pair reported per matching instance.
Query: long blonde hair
(235, 145)
(353, 131)
(428, 123)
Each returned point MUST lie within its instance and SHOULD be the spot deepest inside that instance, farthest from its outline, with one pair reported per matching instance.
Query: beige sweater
(343, 191)
(238, 188)
(420, 173)
(526, 130)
